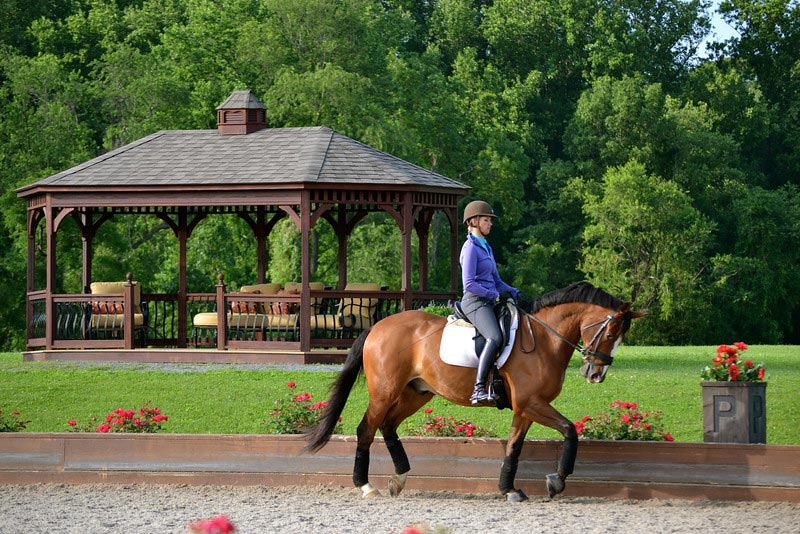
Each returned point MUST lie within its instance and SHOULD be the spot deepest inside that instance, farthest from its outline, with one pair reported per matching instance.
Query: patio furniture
(106, 311)
(352, 315)
(254, 319)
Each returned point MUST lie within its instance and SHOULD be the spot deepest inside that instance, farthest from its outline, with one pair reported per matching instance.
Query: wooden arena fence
(611, 469)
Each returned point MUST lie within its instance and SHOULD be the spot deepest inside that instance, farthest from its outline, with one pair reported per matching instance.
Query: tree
(769, 46)
(644, 240)
(756, 290)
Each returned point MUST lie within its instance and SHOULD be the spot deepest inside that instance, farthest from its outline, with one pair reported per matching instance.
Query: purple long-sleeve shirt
(479, 274)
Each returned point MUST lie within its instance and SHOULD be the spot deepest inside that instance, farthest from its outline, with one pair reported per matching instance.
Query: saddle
(461, 344)
(503, 311)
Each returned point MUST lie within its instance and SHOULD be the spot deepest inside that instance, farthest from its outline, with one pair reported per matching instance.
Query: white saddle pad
(458, 342)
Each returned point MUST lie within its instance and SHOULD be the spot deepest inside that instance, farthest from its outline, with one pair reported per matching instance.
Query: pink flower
(291, 384)
(72, 422)
(626, 418)
(761, 373)
(216, 525)
(105, 427)
(741, 345)
(428, 410)
(412, 530)
(668, 437)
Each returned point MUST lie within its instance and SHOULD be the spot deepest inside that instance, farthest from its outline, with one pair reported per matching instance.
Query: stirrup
(480, 397)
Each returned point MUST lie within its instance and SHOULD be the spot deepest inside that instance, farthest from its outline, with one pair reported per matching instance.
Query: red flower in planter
(734, 372)
(727, 366)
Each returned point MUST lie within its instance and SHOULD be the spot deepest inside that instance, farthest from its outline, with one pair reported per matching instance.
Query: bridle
(586, 351)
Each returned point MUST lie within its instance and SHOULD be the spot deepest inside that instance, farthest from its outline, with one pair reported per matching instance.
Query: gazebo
(262, 175)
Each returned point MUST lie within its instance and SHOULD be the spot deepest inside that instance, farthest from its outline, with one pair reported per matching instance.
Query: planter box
(734, 412)
(614, 469)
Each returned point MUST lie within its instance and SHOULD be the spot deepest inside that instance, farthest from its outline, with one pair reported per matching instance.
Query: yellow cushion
(205, 319)
(114, 321)
(117, 288)
(313, 286)
(359, 307)
(269, 288)
(336, 322)
(281, 321)
(316, 302)
(324, 322)
(245, 320)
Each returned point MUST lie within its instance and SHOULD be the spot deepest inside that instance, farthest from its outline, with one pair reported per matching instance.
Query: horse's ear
(625, 308)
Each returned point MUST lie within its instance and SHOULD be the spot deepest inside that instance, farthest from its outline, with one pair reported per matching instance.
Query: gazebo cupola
(241, 113)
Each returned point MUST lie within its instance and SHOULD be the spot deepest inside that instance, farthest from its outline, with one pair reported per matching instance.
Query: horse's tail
(319, 436)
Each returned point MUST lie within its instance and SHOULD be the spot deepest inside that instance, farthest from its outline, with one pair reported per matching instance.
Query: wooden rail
(611, 469)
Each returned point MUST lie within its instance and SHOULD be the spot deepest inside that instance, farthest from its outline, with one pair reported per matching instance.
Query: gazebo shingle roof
(282, 156)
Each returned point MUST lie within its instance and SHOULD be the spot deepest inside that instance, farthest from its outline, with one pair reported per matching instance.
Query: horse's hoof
(516, 496)
(396, 484)
(555, 484)
(369, 491)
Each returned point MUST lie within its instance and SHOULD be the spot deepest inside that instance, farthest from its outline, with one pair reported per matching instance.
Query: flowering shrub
(441, 426)
(625, 422)
(216, 525)
(147, 420)
(12, 422)
(296, 414)
(729, 368)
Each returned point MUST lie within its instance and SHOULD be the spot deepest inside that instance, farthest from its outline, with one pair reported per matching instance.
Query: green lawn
(216, 400)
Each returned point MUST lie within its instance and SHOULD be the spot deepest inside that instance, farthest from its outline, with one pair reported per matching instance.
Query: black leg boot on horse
(480, 396)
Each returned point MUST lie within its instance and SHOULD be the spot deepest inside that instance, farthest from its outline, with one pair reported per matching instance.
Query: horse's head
(601, 339)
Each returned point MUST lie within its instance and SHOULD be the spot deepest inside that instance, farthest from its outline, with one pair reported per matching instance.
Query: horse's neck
(565, 319)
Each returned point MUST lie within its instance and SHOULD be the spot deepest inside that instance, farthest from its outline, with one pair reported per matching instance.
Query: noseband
(587, 351)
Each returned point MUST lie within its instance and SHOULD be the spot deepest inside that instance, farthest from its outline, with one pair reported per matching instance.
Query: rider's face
(484, 225)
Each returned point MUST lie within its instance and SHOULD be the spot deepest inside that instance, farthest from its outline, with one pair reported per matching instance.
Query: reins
(585, 351)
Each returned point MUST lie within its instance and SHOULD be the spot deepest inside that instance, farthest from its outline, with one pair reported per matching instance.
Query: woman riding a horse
(399, 356)
(482, 288)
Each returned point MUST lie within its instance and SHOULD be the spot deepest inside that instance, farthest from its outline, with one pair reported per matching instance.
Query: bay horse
(399, 356)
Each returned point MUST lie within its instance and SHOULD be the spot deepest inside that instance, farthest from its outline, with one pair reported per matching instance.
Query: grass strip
(236, 399)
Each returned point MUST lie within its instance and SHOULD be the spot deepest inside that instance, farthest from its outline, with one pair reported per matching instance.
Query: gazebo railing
(335, 319)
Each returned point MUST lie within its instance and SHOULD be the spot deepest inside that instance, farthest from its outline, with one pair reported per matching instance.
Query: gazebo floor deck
(189, 356)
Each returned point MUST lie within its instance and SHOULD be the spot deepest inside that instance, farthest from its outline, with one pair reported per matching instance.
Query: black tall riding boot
(480, 397)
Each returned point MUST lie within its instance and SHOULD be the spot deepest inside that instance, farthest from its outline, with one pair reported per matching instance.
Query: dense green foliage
(222, 399)
(616, 146)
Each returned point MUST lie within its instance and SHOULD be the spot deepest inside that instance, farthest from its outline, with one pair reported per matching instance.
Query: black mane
(578, 292)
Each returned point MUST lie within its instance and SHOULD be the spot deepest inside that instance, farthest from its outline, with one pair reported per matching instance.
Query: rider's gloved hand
(523, 301)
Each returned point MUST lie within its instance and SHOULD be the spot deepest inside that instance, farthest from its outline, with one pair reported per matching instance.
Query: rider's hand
(523, 301)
